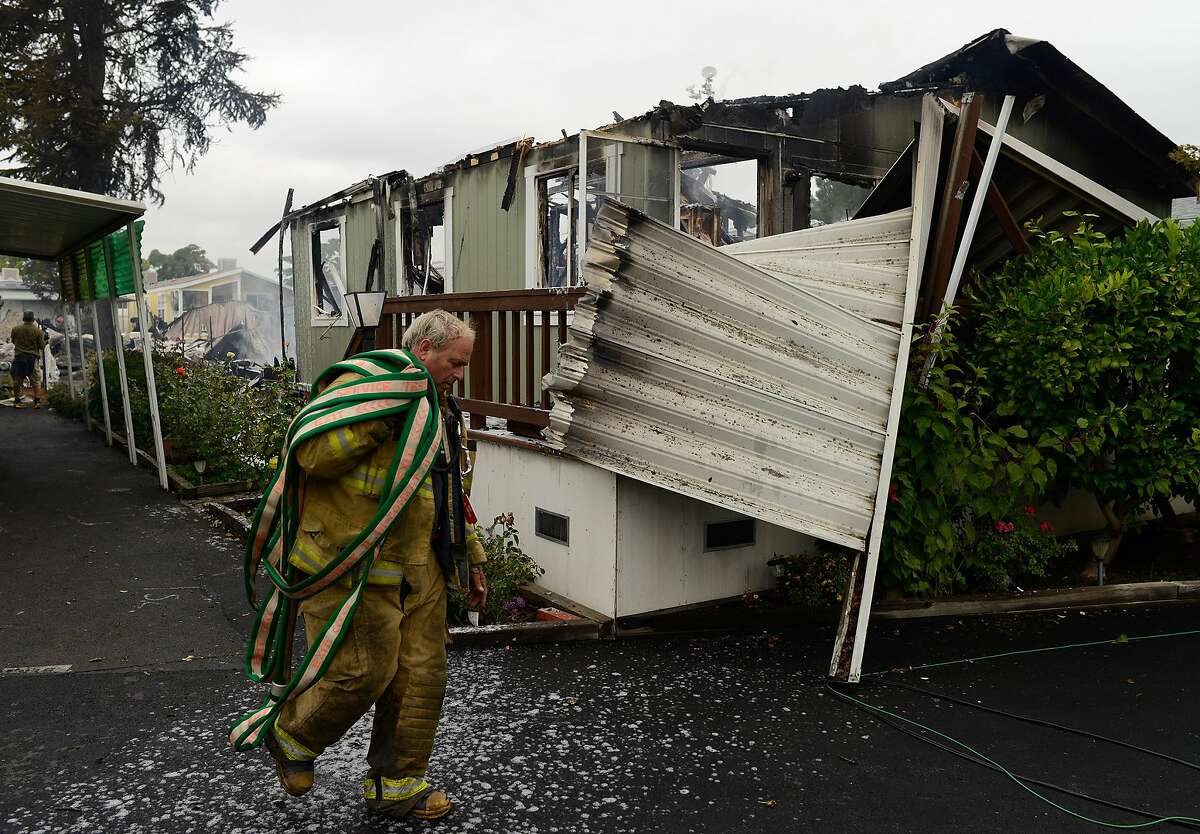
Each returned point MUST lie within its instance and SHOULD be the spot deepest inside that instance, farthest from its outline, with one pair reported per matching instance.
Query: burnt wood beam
(999, 207)
(953, 196)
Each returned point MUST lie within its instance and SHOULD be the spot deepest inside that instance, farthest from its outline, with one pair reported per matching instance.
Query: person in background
(28, 340)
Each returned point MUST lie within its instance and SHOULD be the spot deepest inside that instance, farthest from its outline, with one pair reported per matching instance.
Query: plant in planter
(506, 569)
(813, 580)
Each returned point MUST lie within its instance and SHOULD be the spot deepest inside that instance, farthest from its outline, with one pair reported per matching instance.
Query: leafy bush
(208, 412)
(958, 470)
(1092, 344)
(814, 580)
(1077, 368)
(60, 399)
(212, 414)
(507, 567)
(1011, 550)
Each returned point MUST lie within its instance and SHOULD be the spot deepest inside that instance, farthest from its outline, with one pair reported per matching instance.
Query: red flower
(1046, 527)
(181, 371)
(1005, 526)
(893, 494)
(1031, 510)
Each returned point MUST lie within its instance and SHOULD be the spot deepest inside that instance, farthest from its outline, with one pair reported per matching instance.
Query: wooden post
(515, 370)
(502, 357)
(770, 193)
(953, 195)
(481, 364)
(800, 202)
(530, 399)
(545, 354)
(999, 207)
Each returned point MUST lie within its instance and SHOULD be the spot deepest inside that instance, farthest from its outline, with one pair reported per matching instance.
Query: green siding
(488, 241)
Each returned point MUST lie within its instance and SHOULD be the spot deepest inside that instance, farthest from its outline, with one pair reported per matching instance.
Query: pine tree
(106, 95)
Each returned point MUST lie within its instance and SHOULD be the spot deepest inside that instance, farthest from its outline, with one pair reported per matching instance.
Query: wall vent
(723, 535)
(552, 526)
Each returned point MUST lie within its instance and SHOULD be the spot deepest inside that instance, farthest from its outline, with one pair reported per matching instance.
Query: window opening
(427, 248)
(835, 202)
(720, 198)
(328, 285)
(223, 292)
(194, 298)
(556, 232)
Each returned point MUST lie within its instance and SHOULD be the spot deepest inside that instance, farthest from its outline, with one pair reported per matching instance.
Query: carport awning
(46, 222)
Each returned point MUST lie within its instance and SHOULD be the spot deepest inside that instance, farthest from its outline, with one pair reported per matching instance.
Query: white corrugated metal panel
(861, 265)
(694, 371)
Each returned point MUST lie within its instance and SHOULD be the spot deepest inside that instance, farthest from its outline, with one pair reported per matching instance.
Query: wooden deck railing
(517, 333)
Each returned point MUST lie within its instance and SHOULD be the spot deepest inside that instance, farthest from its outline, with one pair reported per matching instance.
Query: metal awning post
(99, 347)
(87, 405)
(856, 614)
(148, 355)
(130, 442)
(67, 340)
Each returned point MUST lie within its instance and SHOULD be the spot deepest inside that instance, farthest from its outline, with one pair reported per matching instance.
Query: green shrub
(60, 399)
(814, 580)
(958, 470)
(1010, 551)
(211, 414)
(1093, 344)
(1077, 368)
(507, 567)
(207, 412)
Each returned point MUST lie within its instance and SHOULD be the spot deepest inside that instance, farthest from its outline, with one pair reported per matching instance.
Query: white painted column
(148, 356)
(87, 413)
(100, 370)
(113, 300)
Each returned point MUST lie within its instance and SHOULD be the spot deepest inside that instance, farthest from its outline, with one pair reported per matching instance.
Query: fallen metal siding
(699, 373)
(861, 265)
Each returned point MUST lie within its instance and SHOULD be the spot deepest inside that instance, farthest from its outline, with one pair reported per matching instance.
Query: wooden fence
(517, 334)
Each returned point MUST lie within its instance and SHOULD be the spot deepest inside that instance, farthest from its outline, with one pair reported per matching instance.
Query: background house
(16, 297)
(168, 300)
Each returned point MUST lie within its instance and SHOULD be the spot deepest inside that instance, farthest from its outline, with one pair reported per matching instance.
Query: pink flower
(1005, 526)
(1046, 527)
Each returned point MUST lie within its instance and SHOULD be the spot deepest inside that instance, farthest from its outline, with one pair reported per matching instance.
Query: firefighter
(393, 655)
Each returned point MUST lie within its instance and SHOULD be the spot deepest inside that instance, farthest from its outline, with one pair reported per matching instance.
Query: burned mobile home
(615, 349)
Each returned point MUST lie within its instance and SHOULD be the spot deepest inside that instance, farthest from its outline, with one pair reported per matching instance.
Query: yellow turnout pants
(393, 656)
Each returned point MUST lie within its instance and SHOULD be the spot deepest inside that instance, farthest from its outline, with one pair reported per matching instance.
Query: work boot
(407, 797)
(295, 777)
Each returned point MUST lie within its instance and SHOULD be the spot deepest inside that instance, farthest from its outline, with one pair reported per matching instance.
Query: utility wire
(1114, 642)
(973, 760)
(1040, 722)
(1023, 783)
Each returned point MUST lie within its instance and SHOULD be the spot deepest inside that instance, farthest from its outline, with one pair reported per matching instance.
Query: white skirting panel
(661, 558)
(510, 479)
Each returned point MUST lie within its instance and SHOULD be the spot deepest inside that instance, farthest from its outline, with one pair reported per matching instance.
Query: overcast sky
(371, 86)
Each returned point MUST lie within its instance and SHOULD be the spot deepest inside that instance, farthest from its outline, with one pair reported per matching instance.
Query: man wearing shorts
(28, 339)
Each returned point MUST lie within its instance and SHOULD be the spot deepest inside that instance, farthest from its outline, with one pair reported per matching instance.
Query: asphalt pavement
(122, 631)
